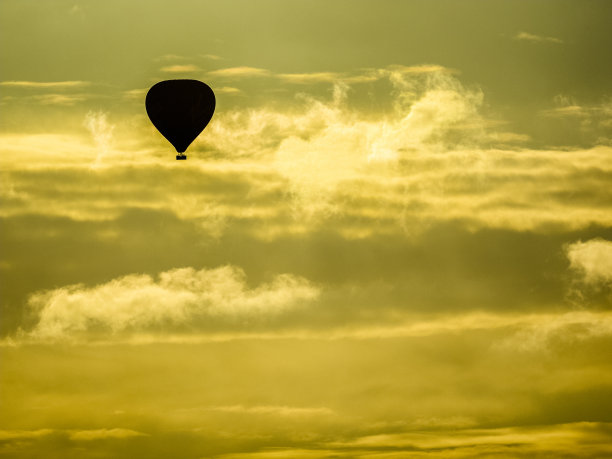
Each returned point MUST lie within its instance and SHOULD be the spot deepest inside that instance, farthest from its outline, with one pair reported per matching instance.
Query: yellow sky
(393, 240)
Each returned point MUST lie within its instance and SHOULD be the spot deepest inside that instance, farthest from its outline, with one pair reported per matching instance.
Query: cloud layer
(429, 153)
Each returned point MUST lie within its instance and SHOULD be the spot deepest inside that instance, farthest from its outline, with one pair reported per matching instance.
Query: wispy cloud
(135, 93)
(524, 440)
(59, 99)
(423, 68)
(227, 90)
(11, 435)
(236, 72)
(170, 57)
(103, 434)
(74, 435)
(76, 9)
(212, 57)
(304, 78)
(102, 132)
(274, 410)
(44, 84)
(526, 36)
(180, 68)
(367, 75)
(566, 111)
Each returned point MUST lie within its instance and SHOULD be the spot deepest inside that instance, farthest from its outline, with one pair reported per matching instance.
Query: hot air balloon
(180, 110)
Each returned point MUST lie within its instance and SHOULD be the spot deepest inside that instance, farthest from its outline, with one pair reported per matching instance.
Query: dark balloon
(180, 110)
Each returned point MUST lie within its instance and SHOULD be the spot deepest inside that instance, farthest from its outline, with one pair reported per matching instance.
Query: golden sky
(393, 240)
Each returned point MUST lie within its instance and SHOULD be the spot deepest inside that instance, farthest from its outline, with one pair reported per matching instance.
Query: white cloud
(227, 90)
(74, 435)
(177, 298)
(180, 68)
(236, 72)
(538, 332)
(44, 84)
(592, 260)
(133, 310)
(558, 436)
(170, 57)
(274, 410)
(526, 36)
(367, 75)
(593, 119)
(342, 146)
(102, 133)
(212, 57)
(8, 435)
(135, 93)
(459, 443)
(304, 78)
(59, 99)
(103, 434)
(423, 68)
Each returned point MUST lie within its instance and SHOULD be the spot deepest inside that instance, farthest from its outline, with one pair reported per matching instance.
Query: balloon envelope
(180, 110)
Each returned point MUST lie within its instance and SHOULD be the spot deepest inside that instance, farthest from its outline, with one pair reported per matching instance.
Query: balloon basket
(181, 156)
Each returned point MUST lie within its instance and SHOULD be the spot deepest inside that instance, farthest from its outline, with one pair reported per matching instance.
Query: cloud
(180, 68)
(274, 410)
(135, 93)
(342, 146)
(176, 299)
(367, 75)
(59, 99)
(592, 121)
(212, 57)
(11, 435)
(74, 435)
(420, 69)
(568, 110)
(102, 133)
(591, 259)
(44, 84)
(170, 57)
(526, 36)
(103, 434)
(428, 154)
(544, 332)
(590, 438)
(307, 78)
(227, 90)
(76, 9)
(238, 72)
(522, 441)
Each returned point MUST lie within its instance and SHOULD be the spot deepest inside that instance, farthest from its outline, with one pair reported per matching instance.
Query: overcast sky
(394, 238)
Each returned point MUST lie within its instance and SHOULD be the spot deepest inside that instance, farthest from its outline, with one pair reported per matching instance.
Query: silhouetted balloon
(180, 110)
